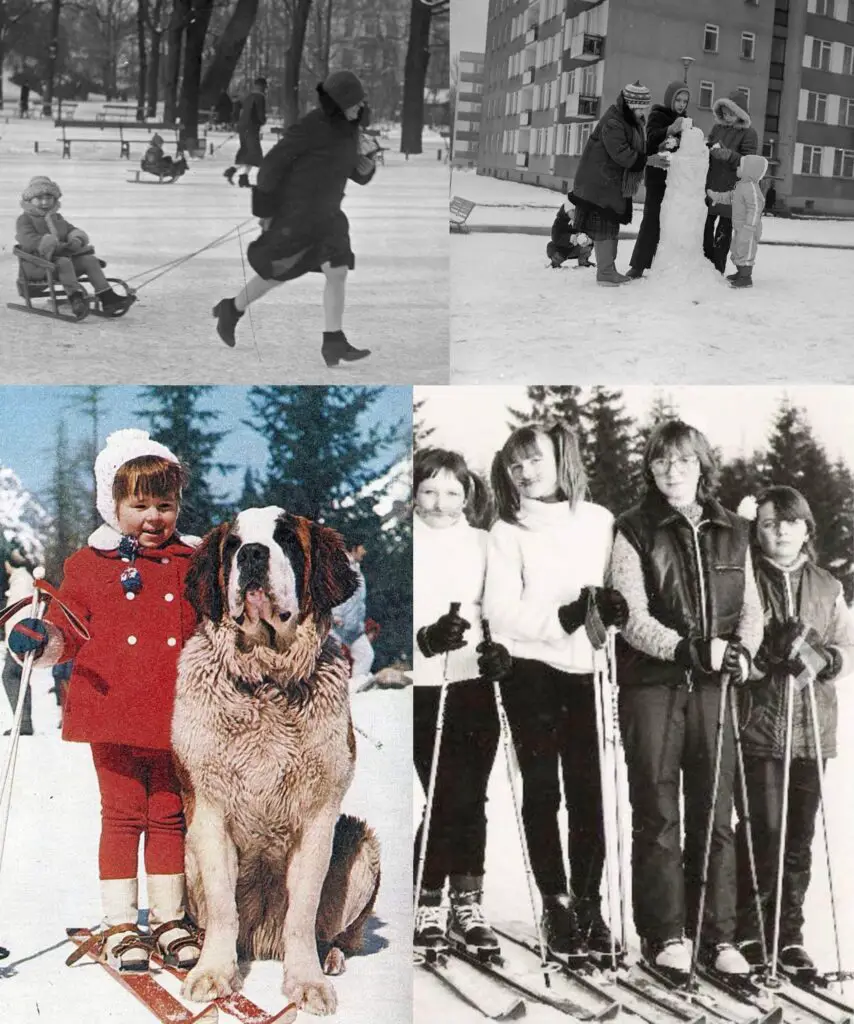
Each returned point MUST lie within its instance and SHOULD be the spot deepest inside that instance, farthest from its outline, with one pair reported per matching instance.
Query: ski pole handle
(455, 608)
(487, 632)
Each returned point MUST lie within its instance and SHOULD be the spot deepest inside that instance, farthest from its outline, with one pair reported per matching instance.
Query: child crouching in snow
(566, 243)
(747, 205)
(157, 162)
(42, 231)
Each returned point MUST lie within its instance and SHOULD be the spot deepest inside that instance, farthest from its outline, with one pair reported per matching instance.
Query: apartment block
(467, 111)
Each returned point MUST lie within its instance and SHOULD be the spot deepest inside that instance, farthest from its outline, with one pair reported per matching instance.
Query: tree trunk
(193, 52)
(177, 25)
(414, 77)
(228, 52)
(155, 26)
(52, 59)
(142, 71)
(300, 10)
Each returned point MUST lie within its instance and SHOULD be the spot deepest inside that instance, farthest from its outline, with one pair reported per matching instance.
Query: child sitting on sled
(157, 162)
(42, 231)
(566, 243)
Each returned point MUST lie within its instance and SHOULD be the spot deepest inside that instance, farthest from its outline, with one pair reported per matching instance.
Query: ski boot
(596, 933)
(431, 927)
(561, 931)
(671, 959)
(727, 964)
(468, 926)
(751, 950)
(227, 315)
(175, 937)
(797, 964)
(336, 348)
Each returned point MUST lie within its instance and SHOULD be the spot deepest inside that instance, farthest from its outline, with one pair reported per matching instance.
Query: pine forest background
(612, 444)
(320, 463)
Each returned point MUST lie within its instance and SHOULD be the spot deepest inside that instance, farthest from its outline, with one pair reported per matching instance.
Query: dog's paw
(205, 983)
(313, 996)
(335, 962)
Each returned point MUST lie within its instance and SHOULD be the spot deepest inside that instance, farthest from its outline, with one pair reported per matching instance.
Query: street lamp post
(686, 63)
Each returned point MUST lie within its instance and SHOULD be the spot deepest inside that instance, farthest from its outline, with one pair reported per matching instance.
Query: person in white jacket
(449, 564)
(546, 563)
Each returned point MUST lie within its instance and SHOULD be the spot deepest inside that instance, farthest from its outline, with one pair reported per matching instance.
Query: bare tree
(299, 11)
(11, 12)
(229, 49)
(194, 45)
(178, 22)
(142, 70)
(155, 25)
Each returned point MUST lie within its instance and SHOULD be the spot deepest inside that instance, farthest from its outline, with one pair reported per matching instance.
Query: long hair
(428, 462)
(677, 436)
(525, 441)
(789, 505)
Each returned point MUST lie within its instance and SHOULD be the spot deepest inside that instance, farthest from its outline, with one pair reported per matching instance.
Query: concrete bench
(117, 111)
(120, 132)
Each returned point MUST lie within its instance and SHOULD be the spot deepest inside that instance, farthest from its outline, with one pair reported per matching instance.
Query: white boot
(178, 940)
(124, 948)
(728, 960)
(674, 955)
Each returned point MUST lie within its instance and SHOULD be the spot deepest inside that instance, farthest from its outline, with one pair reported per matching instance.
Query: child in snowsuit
(127, 587)
(747, 204)
(157, 162)
(809, 634)
(42, 231)
(449, 566)
(567, 244)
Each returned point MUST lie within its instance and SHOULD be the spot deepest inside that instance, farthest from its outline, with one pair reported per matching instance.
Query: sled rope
(245, 282)
(164, 268)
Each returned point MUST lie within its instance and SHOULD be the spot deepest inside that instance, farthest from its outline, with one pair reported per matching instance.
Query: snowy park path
(49, 880)
(397, 301)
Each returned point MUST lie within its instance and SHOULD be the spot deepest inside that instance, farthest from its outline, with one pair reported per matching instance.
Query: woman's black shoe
(227, 315)
(336, 349)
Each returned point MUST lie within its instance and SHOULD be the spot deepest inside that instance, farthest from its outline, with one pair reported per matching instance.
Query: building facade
(467, 109)
(552, 68)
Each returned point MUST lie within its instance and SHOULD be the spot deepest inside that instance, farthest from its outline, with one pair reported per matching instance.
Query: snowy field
(514, 320)
(397, 301)
(49, 879)
(506, 892)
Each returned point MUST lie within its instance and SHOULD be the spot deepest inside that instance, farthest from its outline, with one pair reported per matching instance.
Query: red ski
(165, 1007)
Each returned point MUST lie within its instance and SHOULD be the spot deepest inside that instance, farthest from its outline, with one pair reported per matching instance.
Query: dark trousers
(765, 796)
(457, 841)
(553, 721)
(717, 236)
(650, 228)
(12, 686)
(669, 737)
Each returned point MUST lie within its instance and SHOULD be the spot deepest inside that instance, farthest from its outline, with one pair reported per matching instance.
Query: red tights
(139, 794)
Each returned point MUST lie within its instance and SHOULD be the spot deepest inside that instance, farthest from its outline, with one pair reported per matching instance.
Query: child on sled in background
(157, 162)
(566, 243)
(42, 231)
(747, 204)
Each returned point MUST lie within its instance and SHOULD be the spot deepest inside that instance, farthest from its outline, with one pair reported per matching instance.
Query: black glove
(494, 661)
(611, 605)
(695, 654)
(803, 650)
(736, 662)
(445, 634)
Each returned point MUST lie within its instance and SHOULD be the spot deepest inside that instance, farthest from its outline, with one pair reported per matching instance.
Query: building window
(748, 45)
(707, 95)
(745, 92)
(843, 163)
(846, 112)
(584, 132)
(817, 107)
(811, 162)
(850, 13)
(710, 38)
(820, 55)
(825, 7)
(848, 56)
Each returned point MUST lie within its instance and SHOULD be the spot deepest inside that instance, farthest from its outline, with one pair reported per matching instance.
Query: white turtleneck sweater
(448, 565)
(538, 565)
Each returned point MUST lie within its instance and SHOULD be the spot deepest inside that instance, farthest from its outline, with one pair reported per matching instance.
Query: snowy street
(506, 892)
(396, 300)
(49, 879)
(516, 320)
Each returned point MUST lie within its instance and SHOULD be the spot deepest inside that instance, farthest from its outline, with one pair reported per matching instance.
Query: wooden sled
(47, 286)
(137, 177)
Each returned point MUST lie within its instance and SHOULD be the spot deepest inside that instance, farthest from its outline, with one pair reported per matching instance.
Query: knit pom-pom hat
(121, 447)
(344, 88)
(637, 96)
(39, 186)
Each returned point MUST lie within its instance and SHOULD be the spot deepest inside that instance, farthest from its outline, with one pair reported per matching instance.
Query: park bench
(120, 132)
(64, 111)
(460, 211)
(117, 112)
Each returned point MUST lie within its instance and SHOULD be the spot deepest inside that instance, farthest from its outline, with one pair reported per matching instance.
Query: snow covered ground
(397, 297)
(49, 879)
(514, 320)
(506, 893)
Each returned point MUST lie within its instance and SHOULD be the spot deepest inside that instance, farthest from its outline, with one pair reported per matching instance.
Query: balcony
(579, 107)
(528, 76)
(586, 47)
(531, 35)
(521, 159)
(524, 118)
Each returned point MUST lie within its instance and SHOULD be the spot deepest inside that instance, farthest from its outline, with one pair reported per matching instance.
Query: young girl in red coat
(127, 587)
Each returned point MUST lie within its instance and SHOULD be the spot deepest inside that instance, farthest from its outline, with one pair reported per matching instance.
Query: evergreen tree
(740, 478)
(420, 431)
(70, 503)
(89, 402)
(609, 450)
(839, 546)
(661, 410)
(250, 496)
(550, 403)
(177, 419)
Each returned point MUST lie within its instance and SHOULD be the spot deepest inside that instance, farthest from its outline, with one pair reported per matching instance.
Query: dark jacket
(817, 601)
(615, 146)
(253, 113)
(667, 545)
(661, 117)
(737, 140)
(301, 183)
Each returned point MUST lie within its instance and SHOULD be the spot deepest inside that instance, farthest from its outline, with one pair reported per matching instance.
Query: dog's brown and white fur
(265, 751)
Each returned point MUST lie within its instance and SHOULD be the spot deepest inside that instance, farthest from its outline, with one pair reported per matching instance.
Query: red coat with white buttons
(122, 688)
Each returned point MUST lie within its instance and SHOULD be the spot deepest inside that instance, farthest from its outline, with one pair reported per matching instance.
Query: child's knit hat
(344, 88)
(39, 186)
(121, 447)
(637, 96)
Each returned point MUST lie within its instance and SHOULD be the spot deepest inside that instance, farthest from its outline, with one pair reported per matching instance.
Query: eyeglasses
(680, 462)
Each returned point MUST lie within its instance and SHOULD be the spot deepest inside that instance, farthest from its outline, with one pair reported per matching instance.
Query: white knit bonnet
(121, 447)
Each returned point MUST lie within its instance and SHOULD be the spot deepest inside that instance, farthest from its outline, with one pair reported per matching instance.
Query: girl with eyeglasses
(682, 561)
